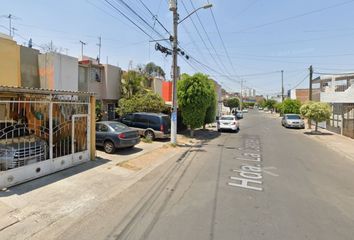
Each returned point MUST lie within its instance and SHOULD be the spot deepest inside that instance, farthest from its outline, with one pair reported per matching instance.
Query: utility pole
(173, 8)
(82, 49)
(310, 92)
(99, 48)
(13, 31)
(241, 95)
(310, 83)
(282, 85)
(10, 25)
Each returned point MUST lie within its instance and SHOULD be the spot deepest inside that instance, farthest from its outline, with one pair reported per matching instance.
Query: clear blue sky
(261, 36)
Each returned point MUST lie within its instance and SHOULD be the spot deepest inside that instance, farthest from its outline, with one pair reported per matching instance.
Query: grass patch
(146, 140)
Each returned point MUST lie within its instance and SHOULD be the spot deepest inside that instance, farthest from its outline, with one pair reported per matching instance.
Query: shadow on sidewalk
(52, 178)
(318, 133)
(123, 151)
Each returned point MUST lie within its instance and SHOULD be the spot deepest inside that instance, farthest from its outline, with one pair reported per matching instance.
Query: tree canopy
(316, 111)
(141, 102)
(153, 70)
(132, 83)
(232, 103)
(211, 110)
(194, 99)
(289, 106)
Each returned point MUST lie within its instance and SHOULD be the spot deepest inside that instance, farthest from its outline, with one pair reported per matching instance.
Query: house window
(96, 74)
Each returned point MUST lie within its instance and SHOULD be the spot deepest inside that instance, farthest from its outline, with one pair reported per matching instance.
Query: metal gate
(41, 132)
(348, 120)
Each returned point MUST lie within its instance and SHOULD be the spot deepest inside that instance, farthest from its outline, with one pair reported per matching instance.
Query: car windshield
(11, 130)
(227, 118)
(293, 117)
(118, 126)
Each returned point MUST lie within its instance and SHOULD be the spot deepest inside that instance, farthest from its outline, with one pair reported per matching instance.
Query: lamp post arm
(190, 14)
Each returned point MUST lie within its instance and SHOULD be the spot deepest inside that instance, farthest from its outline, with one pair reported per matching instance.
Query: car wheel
(109, 147)
(149, 135)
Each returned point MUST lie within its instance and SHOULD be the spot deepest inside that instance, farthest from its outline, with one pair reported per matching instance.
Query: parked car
(228, 122)
(19, 147)
(239, 115)
(150, 125)
(292, 121)
(113, 135)
(245, 110)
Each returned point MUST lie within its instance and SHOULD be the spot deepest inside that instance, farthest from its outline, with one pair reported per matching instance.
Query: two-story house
(338, 91)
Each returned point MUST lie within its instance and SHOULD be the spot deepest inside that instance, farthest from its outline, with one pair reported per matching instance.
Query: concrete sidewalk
(341, 144)
(69, 195)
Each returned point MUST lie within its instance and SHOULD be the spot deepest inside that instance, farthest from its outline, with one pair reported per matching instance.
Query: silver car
(19, 147)
(293, 121)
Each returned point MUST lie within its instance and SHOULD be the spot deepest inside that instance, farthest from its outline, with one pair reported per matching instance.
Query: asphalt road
(264, 182)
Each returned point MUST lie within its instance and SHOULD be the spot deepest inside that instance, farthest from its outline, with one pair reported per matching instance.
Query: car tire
(109, 147)
(149, 135)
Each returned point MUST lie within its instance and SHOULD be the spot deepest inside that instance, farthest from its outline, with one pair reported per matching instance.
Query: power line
(155, 17)
(298, 15)
(200, 36)
(301, 81)
(208, 38)
(124, 15)
(140, 17)
(222, 40)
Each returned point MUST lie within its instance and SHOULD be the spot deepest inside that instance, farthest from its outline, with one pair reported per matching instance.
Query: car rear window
(167, 121)
(227, 118)
(118, 126)
(293, 117)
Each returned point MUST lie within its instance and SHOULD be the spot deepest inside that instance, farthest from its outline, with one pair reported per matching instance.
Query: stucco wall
(157, 86)
(339, 97)
(29, 67)
(10, 74)
(57, 71)
(112, 83)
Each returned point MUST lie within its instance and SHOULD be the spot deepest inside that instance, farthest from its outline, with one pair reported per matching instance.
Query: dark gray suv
(150, 125)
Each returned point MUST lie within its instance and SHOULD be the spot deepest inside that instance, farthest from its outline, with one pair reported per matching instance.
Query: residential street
(297, 189)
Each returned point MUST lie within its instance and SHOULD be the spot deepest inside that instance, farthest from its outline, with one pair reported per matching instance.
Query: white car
(228, 122)
(245, 110)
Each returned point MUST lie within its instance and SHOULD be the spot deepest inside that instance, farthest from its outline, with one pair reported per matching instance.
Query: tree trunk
(191, 132)
(309, 123)
(316, 126)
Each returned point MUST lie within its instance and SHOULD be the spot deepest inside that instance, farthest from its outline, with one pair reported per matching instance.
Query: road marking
(249, 176)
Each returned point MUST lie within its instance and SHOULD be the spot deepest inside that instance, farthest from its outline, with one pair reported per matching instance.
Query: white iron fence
(41, 134)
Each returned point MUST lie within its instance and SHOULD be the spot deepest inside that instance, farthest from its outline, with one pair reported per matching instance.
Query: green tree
(270, 103)
(193, 99)
(290, 106)
(232, 103)
(98, 109)
(141, 102)
(316, 111)
(211, 110)
(153, 70)
(132, 83)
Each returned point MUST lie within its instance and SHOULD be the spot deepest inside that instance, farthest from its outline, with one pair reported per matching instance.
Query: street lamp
(173, 8)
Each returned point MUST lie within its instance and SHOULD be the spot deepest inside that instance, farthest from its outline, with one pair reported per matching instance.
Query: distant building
(10, 68)
(29, 67)
(167, 92)
(105, 81)
(300, 94)
(58, 71)
(338, 91)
